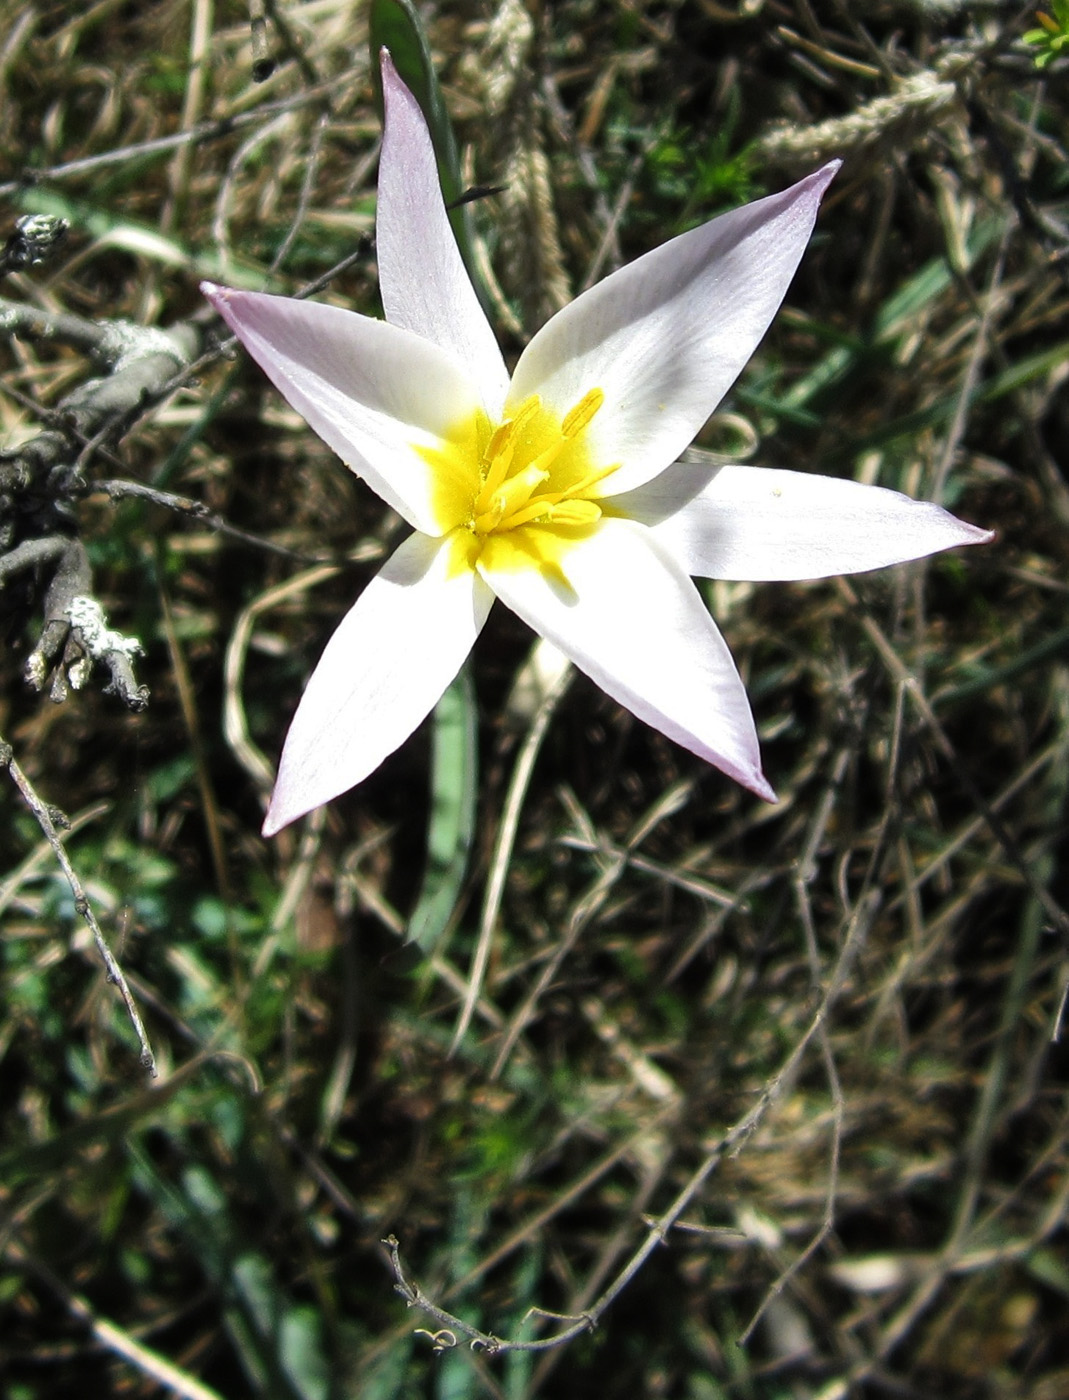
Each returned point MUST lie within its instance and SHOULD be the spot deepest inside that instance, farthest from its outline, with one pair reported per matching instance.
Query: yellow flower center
(519, 494)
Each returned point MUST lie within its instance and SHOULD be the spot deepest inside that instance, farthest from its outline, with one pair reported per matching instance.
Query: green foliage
(454, 790)
(700, 175)
(1052, 38)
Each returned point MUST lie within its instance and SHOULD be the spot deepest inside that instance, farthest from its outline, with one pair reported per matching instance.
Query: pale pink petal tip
(286, 807)
(760, 787)
(275, 820)
(423, 282)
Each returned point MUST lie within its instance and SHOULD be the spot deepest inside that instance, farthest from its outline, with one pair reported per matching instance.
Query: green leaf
(286, 1338)
(1054, 35)
(454, 780)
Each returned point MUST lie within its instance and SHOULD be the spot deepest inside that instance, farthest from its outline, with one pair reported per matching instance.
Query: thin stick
(196, 510)
(803, 877)
(45, 816)
(587, 907)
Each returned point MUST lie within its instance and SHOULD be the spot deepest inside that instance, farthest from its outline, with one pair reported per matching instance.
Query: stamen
(497, 457)
(488, 521)
(511, 493)
(575, 513)
(581, 487)
(577, 418)
(535, 510)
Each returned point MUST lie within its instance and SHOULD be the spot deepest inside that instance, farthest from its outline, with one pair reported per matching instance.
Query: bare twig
(196, 510)
(311, 170)
(612, 867)
(48, 819)
(139, 361)
(29, 555)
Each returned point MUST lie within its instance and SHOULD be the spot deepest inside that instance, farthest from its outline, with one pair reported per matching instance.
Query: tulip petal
(424, 284)
(666, 336)
(636, 625)
(382, 672)
(373, 392)
(761, 524)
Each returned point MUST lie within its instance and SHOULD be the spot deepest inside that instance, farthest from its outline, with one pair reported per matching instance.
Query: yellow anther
(577, 418)
(499, 441)
(531, 405)
(498, 457)
(498, 454)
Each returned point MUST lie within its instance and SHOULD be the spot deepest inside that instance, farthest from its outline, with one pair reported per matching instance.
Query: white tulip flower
(558, 489)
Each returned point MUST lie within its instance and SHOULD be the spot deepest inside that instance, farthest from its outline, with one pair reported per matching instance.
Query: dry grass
(837, 1015)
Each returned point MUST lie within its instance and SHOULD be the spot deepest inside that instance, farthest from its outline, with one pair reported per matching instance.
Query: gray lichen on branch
(34, 239)
(41, 479)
